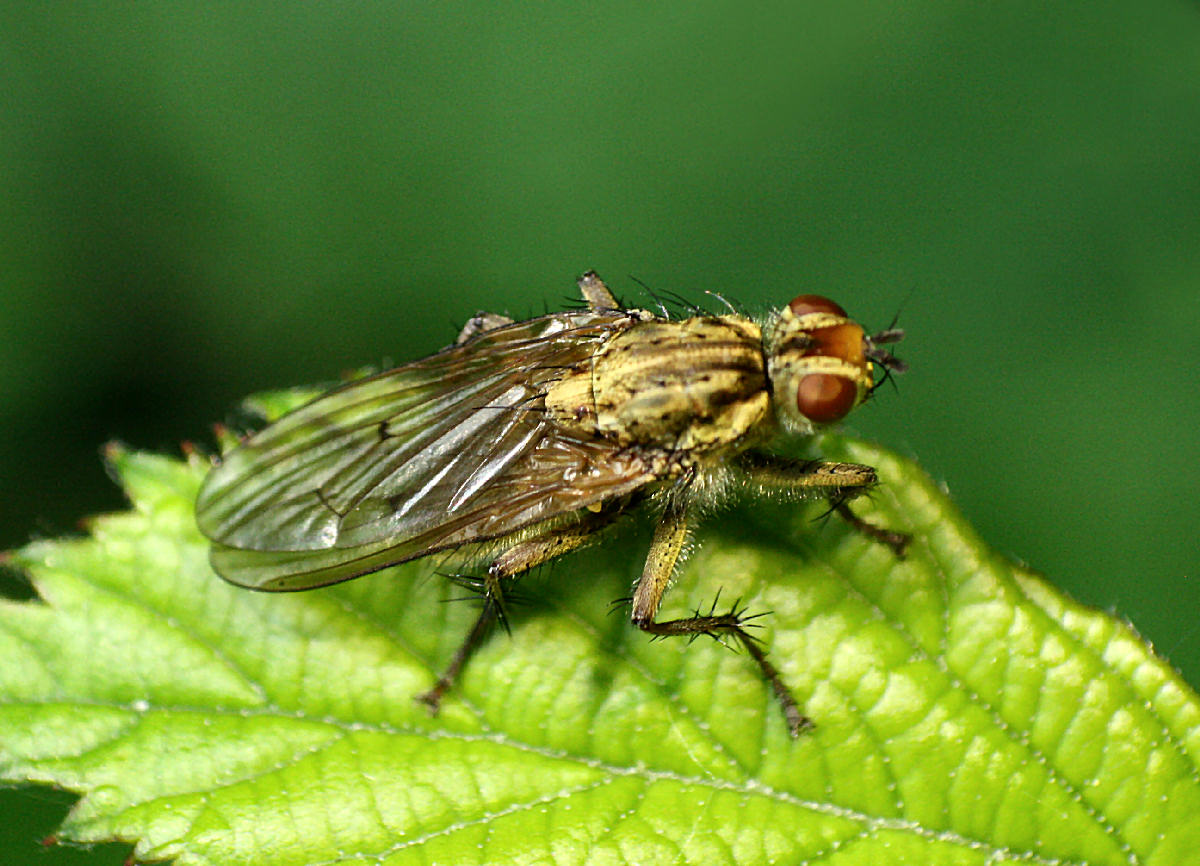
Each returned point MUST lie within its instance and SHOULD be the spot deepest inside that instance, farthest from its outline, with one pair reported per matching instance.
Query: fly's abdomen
(690, 385)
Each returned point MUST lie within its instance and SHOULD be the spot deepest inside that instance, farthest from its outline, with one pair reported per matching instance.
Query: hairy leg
(670, 536)
(836, 482)
(515, 559)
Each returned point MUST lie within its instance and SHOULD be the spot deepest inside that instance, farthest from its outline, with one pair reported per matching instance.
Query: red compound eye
(839, 341)
(826, 397)
(802, 305)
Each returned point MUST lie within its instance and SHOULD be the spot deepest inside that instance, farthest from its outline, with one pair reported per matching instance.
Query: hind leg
(514, 560)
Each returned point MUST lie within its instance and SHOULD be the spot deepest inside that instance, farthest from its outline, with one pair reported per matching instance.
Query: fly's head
(820, 363)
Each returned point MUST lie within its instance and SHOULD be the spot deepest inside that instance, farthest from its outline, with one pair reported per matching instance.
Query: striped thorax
(691, 385)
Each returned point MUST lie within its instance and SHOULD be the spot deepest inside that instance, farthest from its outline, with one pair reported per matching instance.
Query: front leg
(670, 537)
(836, 482)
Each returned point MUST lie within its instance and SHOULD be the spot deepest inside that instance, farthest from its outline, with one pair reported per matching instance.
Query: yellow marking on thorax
(695, 384)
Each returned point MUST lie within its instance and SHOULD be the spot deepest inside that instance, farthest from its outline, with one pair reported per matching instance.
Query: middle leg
(670, 537)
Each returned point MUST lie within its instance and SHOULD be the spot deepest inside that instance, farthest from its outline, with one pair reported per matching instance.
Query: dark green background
(198, 203)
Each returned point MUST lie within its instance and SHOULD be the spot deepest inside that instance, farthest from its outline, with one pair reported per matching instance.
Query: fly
(528, 438)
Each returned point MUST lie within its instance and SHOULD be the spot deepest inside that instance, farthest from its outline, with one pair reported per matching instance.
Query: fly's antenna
(891, 334)
(874, 352)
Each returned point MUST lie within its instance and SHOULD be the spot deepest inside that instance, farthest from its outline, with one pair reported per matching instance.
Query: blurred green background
(204, 201)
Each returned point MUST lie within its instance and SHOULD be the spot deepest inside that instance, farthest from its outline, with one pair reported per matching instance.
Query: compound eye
(802, 305)
(826, 397)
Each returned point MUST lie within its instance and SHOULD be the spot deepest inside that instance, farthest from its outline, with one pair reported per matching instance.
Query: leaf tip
(226, 438)
(114, 451)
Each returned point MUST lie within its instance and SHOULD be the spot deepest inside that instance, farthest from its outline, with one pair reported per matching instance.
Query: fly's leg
(492, 604)
(897, 541)
(599, 298)
(670, 537)
(518, 558)
(837, 482)
(479, 323)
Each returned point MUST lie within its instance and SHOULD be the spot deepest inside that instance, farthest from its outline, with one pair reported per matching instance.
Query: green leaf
(967, 713)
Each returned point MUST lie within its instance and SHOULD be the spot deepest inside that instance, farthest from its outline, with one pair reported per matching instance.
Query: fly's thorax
(694, 384)
(818, 367)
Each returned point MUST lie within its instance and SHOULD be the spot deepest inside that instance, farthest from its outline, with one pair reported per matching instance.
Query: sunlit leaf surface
(966, 712)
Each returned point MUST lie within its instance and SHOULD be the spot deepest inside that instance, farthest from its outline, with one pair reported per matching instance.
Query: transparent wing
(525, 494)
(448, 450)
